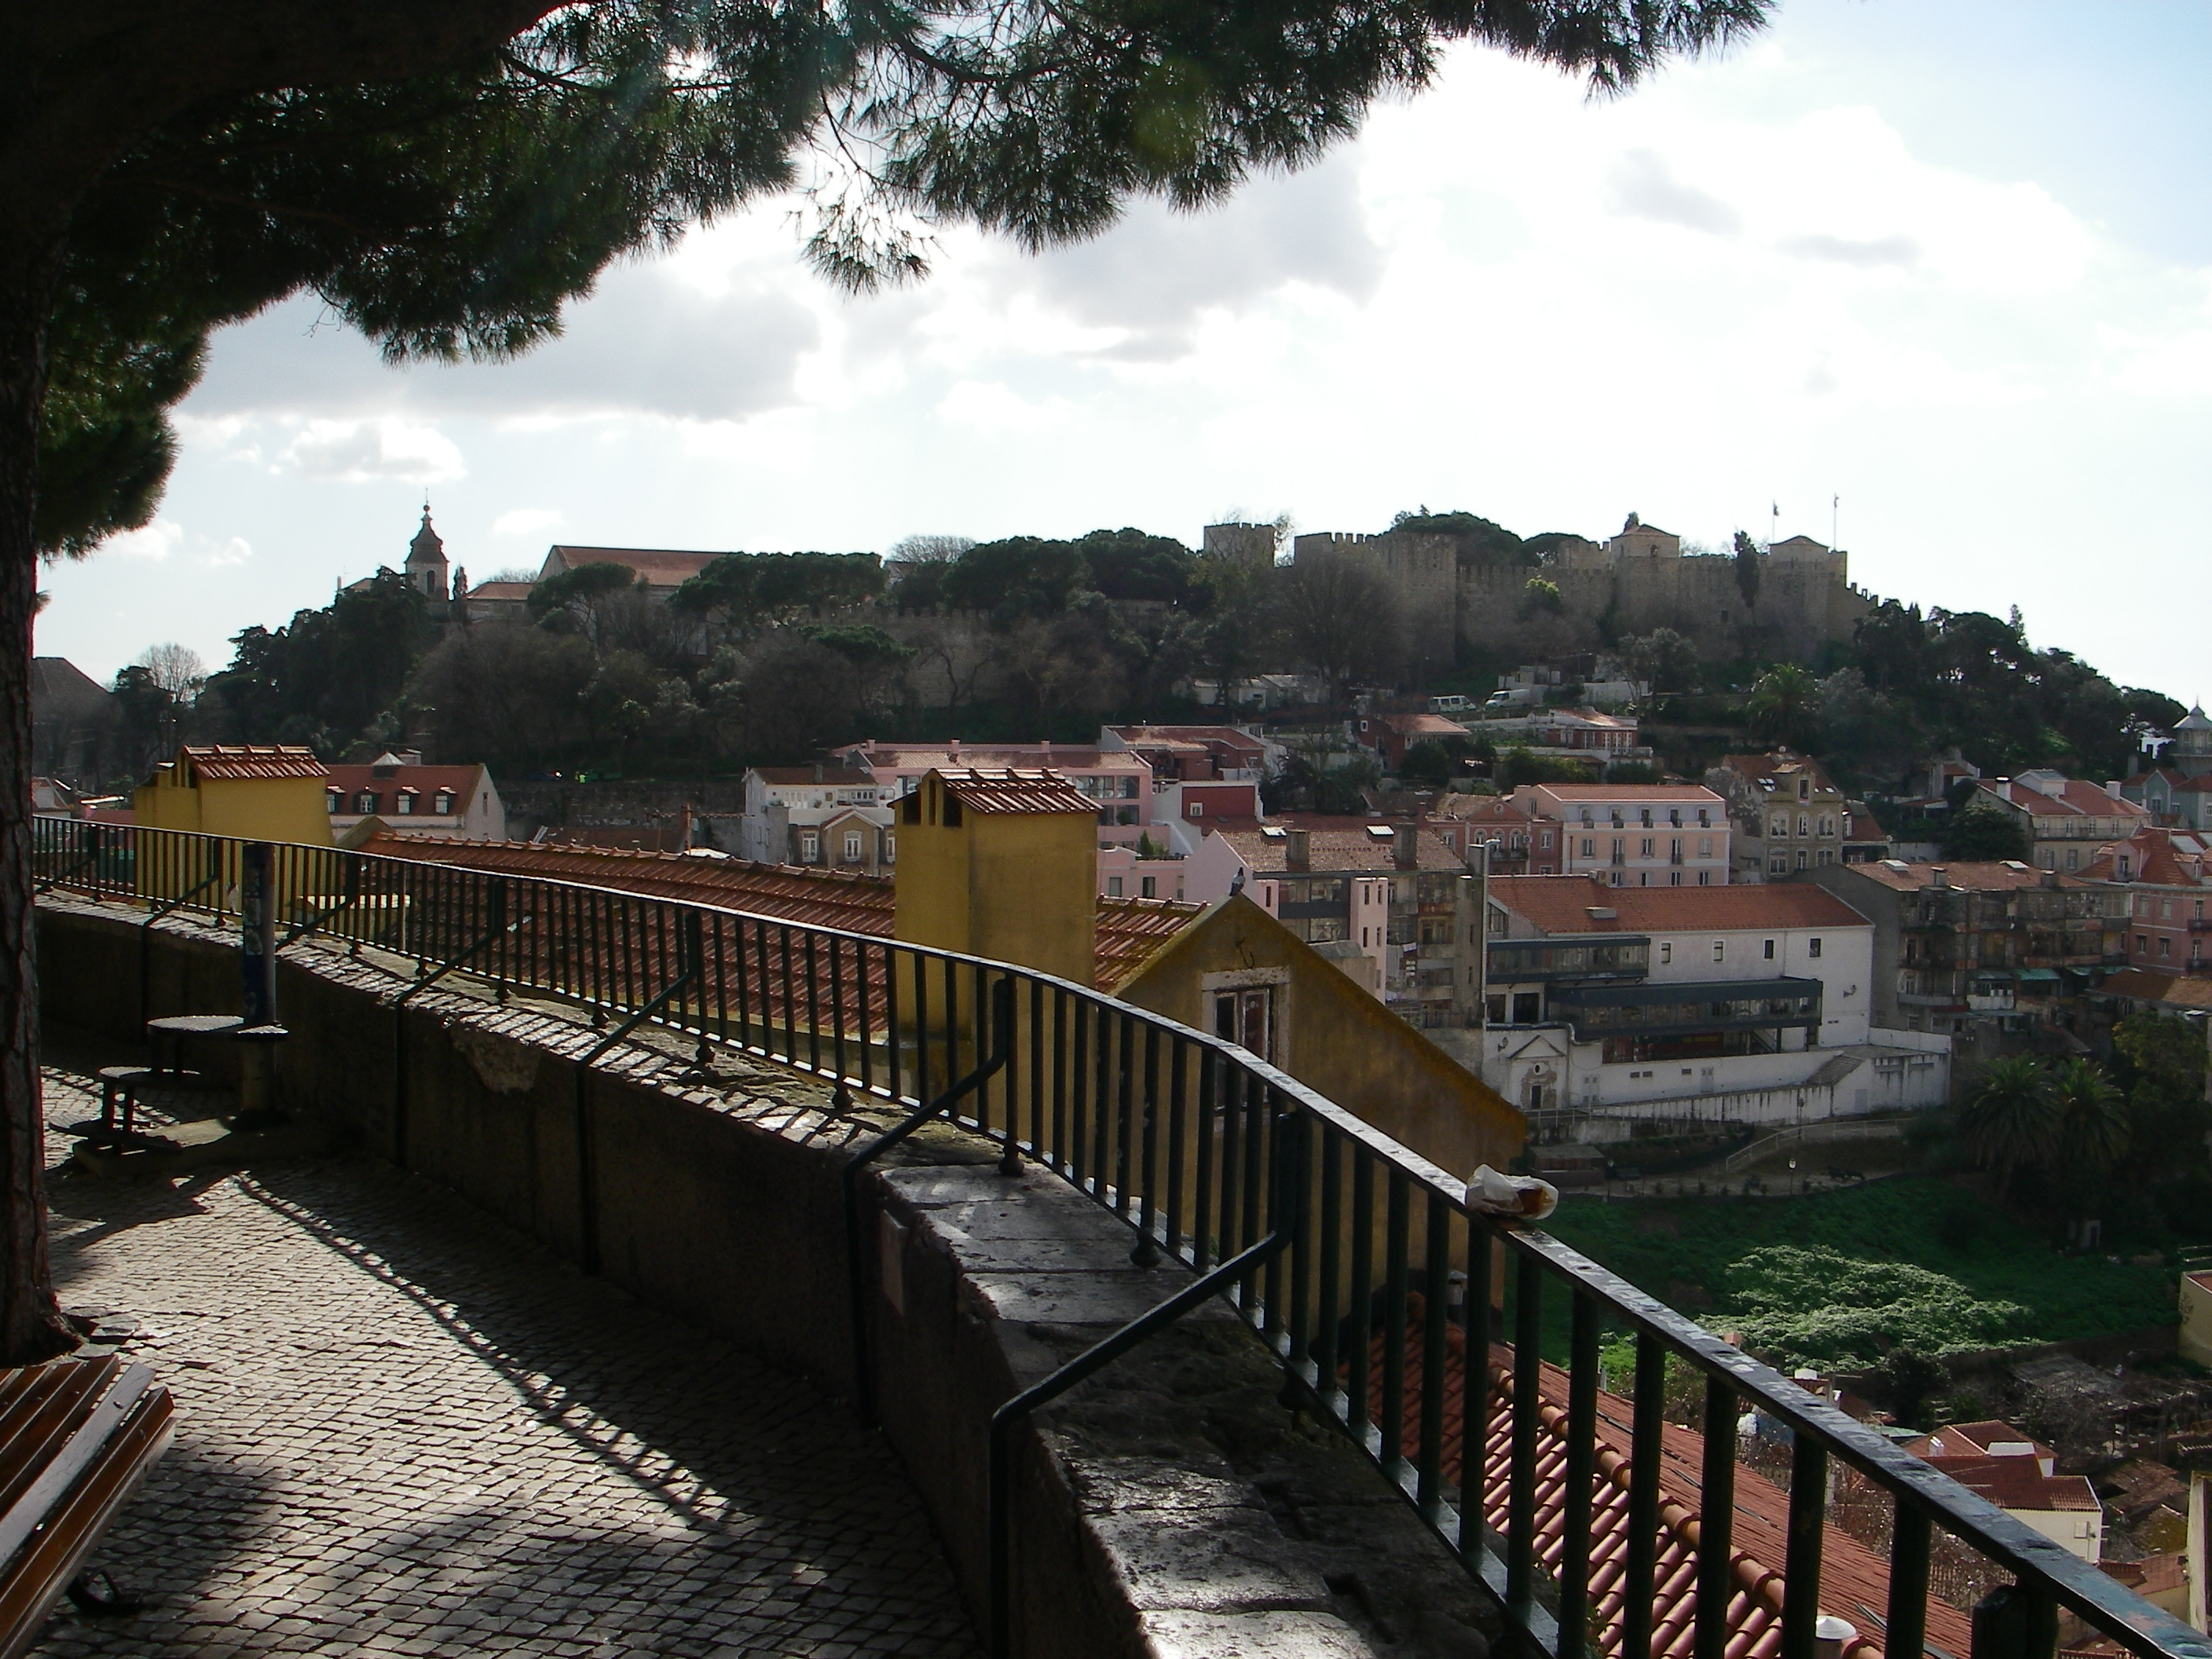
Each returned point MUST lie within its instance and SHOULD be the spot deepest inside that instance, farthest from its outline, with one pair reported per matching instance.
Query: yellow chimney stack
(1001, 863)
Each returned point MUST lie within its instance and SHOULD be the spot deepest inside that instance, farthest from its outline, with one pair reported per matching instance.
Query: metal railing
(1206, 1152)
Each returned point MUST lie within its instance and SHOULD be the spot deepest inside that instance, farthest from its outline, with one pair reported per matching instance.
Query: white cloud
(525, 521)
(1642, 184)
(236, 551)
(355, 451)
(156, 541)
(998, 410)
(644, 342)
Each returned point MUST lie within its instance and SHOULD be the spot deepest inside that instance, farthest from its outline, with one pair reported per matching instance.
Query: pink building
(2168, 876)
(1630, 835)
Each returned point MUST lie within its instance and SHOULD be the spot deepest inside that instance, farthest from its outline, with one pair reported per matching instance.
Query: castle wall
(1638, 581)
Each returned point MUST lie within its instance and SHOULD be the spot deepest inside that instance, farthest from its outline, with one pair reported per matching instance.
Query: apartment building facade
(1608, 1005)
(451, 802)
(1394, 892)
(1630, 835)
(2065, 820)
(834, 817)
(1990, 947)
(1786, 814)
(2167, 877)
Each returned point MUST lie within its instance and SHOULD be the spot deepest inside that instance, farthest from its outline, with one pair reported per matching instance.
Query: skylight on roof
(1381, 832)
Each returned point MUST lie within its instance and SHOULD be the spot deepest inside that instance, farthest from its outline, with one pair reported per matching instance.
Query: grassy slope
(1894, 1220)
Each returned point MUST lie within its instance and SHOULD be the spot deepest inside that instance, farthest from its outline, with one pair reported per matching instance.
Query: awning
(2039, 975)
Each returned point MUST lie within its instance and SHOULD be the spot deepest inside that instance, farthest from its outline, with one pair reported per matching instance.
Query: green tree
(1783, 704)
(1339, 616)
(446, 173)
(2161, 1060)
(1983, 831)
(1428, 763)
(1539, 595)
(1748, 563)
(2010, 1117)
(2093, 1129)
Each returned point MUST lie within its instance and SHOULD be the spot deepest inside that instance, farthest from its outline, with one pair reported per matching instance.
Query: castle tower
(1252, 544)
(425, 561)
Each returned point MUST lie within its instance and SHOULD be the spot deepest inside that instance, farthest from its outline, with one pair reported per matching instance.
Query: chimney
(1938, 876)
(1405, 845)
(2050, 879)
(818, 771)
(1297, 849)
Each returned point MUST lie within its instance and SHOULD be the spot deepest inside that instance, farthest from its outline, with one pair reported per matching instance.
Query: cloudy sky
(1949, 260)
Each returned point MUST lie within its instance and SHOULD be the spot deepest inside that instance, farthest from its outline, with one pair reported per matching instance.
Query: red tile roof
(500, 590)
(1010, 789)
(227, 764)
(2157, 857)
(2075, 798)
(1854, 1580)
(424, 780)
(1127, 930)
(2175, 990)
(1336, 851)
(1627, 794)
(1562, 904)
(2017, 1483)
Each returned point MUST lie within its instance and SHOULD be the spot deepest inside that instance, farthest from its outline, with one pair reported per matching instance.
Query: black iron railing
(1209, 1155)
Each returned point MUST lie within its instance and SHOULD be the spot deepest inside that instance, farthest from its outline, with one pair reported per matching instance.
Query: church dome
(2195, 720)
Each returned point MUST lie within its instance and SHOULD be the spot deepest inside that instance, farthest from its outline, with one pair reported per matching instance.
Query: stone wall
(1169, 1508)
(1607, 594)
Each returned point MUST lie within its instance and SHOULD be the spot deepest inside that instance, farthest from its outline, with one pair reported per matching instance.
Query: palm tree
(2092, 1117)
(2011, 1116)
(1782, 702)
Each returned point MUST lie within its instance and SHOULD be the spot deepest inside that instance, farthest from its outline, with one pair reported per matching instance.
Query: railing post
(2014, 1622)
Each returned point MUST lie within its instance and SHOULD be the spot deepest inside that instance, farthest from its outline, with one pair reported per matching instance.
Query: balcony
(1687, 1009)
(1090, 1172)
(1619, 957)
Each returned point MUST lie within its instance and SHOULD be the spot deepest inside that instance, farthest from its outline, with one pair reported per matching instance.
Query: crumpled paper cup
(1512, 1198)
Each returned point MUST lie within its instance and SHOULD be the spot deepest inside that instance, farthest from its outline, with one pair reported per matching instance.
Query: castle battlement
(1633, 583)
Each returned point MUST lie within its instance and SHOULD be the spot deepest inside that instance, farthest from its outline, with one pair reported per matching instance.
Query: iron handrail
(1171, 1129)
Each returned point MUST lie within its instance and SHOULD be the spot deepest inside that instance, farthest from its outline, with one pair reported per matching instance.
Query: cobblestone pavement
(406, 1429)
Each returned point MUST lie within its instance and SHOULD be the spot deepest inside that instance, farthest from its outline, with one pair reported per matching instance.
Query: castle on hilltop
(1454, 593)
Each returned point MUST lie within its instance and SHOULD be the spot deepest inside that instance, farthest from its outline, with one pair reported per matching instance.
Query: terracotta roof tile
(226, 762)
(1854, 1580)
(1337, 851)
(1127, 930)
(1561, 904)
(995, 789)
(424, 780)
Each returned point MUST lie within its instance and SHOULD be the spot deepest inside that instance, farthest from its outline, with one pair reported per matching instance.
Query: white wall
(1844, 968)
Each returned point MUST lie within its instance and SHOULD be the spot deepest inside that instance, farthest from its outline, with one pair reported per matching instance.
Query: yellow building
(1235, 971)
(254, 792)
(998, 862)
(1001, 864)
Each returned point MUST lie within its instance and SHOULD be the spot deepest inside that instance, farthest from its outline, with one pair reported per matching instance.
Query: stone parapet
(1172, 1506)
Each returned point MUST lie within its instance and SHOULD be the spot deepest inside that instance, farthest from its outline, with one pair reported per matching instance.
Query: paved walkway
(406, 1429)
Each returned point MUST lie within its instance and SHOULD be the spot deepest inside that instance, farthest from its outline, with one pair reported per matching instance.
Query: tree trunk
(30, 1325)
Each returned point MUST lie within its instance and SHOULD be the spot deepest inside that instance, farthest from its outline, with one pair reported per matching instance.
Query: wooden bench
(77, 1438)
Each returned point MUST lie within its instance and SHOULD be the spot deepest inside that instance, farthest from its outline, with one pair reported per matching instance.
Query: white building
(1631, 834)
(1606, 1006)
(823, 815)
(456, 802)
